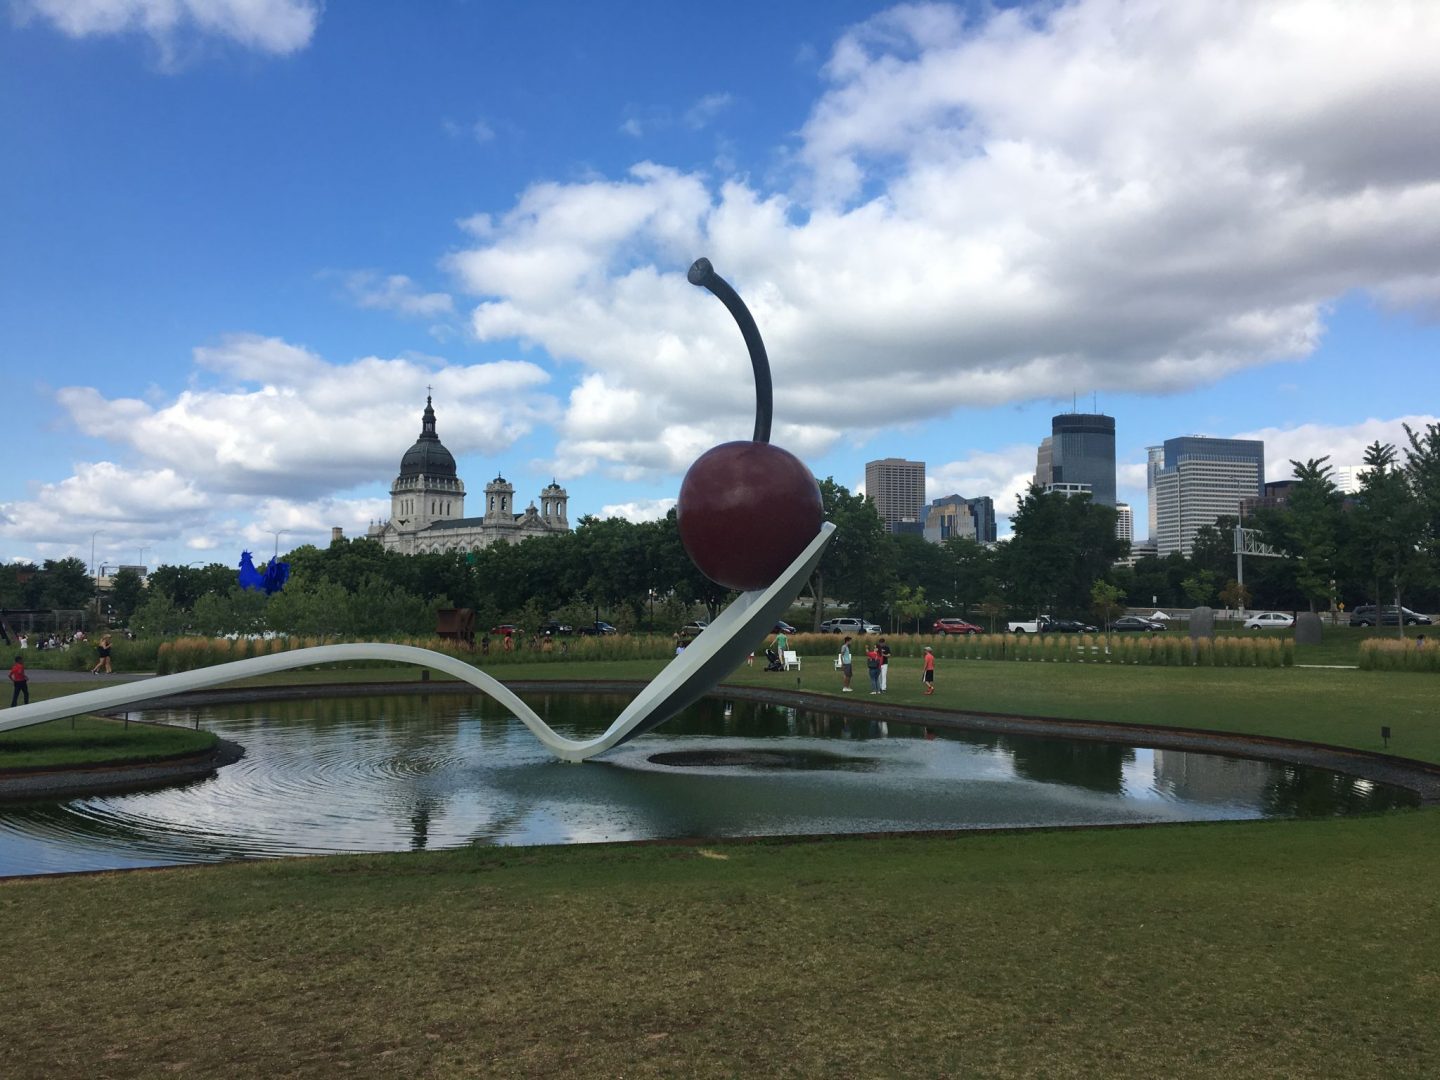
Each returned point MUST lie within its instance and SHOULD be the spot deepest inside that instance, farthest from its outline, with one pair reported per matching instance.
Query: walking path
(41, 675)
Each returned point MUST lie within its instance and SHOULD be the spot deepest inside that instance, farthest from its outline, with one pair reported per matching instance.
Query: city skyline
(241, 248)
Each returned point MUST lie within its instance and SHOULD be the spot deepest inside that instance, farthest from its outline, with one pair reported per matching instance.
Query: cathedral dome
(428, 457)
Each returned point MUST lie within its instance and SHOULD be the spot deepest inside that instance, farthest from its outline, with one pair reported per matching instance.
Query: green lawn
(1289, 948)
(1258, 949)
(94, 740)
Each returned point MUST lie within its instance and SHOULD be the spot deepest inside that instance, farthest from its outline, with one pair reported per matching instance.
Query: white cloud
(117, 509)
(479, 130)
(291, 424)
(1344, 443)
(642, 120)
(1139, 196)
(310, 521)
(396, 292)
(639, 510)
(1003, 474)
(705, 110)
(281, 27)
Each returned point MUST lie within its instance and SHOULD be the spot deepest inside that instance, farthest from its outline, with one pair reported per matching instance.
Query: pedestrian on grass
(872, 664)
(781, 644)
(847, 666)
(929, 676)
(884, 651)
(20, 682)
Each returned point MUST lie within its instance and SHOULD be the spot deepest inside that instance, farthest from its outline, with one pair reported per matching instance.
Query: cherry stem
(703, 274)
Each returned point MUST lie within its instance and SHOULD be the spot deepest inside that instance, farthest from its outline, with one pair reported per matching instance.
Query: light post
(94, 579)
(277, 534)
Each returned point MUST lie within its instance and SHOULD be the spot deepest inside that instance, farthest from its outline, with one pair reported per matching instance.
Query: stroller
(772, 661)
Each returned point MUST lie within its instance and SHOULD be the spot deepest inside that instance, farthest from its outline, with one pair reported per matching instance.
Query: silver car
(1276, 620)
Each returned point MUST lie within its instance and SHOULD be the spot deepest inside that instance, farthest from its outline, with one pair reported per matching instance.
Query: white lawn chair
(790, 659)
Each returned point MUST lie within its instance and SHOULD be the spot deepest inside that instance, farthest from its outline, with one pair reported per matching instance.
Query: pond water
(408, 773)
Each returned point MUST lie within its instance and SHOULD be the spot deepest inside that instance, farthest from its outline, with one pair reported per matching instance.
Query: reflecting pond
(409, 772)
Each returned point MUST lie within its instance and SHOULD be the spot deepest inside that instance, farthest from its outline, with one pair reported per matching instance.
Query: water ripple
(391, 774)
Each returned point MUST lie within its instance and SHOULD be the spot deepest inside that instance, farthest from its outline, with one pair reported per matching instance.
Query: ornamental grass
(185, 654)
(1410, 654)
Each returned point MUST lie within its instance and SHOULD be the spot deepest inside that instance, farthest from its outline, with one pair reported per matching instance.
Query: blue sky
(243, 236)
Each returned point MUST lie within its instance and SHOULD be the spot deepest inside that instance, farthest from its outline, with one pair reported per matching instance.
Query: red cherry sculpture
(746, 509)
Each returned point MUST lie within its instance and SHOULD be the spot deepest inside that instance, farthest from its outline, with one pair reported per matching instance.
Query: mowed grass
(84, 741)
(1256, 949)
(1293, 948)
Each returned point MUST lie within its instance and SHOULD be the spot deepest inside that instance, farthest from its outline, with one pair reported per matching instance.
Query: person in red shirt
(21, 683)
(929, 670)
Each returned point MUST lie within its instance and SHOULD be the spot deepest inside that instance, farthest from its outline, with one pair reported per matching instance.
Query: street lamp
(277, 534)
(94, 580)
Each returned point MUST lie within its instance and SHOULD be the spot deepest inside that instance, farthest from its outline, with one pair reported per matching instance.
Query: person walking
(781, 644)
(929, 676)
(872, 664)
(20, 682)
(104, 650)
(847, 666)
(884, 651)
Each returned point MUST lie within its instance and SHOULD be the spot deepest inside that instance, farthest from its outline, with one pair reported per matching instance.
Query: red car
(955, 626)
(505, 630)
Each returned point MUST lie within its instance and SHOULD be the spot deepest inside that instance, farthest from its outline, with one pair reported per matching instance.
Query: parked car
(597, 628)
(846, 626)
(692, 629)
(506, 630)
(1389, 615)
(555, 629)
(783, 627)
(947, 627)
(1135, 622)
(1029, 626)
(1263, 620)
(869, 627)
(1067, 626)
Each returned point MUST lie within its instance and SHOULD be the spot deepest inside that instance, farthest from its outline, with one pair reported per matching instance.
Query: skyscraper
(982, 509)
(1154, 462)
(1203, 479)
(1045, 463)
(1348, 478)
(956, 516)
(949, 519)
(897, 488)
(1082, 450)
(1124, 523)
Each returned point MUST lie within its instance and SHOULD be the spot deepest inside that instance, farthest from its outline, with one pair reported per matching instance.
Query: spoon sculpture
(750, 518)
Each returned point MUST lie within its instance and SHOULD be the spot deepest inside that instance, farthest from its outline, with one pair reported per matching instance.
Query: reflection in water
(1297, 792)
(398, 773)
(1094, 765)
(1209, 778)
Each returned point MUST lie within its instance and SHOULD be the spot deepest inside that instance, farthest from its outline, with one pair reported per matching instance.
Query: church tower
(499, 502)
(552, 506)
(427, 489)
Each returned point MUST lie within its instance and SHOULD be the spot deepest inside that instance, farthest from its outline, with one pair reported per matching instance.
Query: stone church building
(427, 505)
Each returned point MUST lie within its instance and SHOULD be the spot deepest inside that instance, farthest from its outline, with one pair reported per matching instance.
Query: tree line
(1380, 545)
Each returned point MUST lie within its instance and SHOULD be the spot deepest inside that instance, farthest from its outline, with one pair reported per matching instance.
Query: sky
(243, 239)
